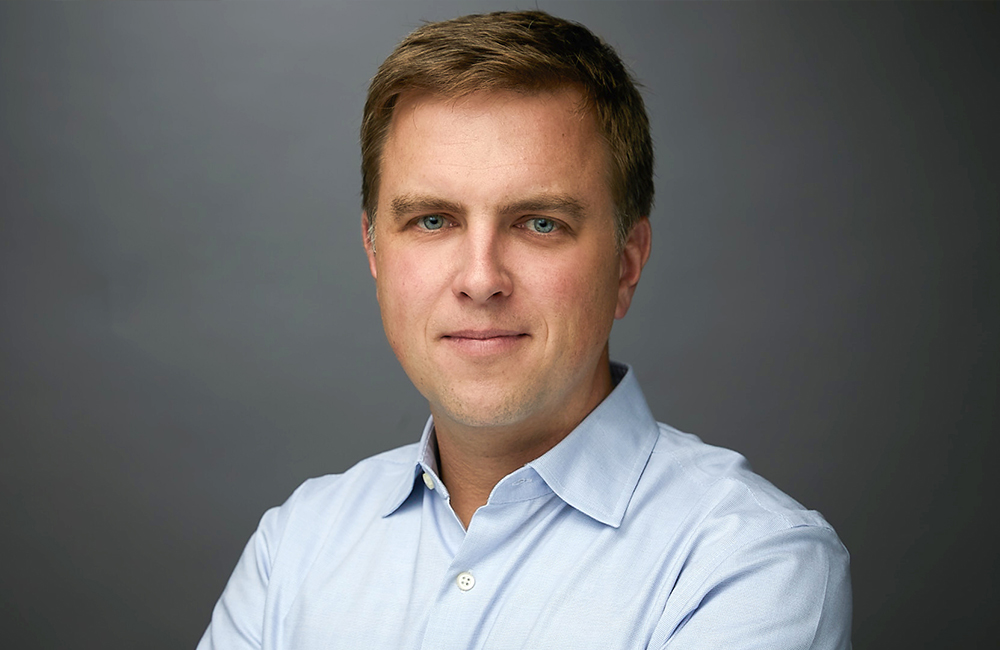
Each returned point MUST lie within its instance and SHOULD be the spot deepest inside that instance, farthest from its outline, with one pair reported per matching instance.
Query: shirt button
(428, 481)
(465, 581)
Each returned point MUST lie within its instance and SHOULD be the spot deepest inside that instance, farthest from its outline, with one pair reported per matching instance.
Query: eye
(541, 225)
(431, 222)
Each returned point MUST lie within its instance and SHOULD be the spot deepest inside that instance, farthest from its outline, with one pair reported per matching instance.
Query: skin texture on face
(496, 267)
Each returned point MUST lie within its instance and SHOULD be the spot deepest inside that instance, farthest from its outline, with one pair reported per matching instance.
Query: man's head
(528, 51)
(502, 261)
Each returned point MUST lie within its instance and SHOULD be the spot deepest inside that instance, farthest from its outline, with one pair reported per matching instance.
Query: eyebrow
(556, 203)
(408, 204)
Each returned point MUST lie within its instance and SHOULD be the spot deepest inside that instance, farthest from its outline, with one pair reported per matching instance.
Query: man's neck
(472, 460)
(471, 471)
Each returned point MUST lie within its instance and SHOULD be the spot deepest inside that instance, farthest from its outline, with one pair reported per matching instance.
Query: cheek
(406, 286)
(576, 295)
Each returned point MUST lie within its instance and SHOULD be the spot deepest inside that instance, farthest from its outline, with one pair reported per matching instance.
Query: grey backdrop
(189, 329)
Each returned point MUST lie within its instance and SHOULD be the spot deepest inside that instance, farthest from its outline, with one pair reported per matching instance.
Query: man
(507, 181)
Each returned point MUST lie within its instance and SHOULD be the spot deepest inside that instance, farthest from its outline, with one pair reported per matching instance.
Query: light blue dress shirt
(627, 534)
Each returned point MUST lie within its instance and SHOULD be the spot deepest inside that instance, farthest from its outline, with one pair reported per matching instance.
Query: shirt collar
(594, 469)
(426, 462)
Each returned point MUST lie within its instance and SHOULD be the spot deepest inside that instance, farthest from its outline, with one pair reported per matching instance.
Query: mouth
(481, 343)
(483, 335)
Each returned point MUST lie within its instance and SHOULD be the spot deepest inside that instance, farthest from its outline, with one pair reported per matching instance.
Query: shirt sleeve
(238, 618)
(790, 590)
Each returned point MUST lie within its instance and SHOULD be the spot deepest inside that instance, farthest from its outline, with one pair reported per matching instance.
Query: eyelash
(555, 225)
(420, 222)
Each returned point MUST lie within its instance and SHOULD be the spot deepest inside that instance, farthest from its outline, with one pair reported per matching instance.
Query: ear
(633, 257)
(369, 244)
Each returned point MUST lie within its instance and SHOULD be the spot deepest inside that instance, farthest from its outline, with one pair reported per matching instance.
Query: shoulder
(374, 477)
(742, 545)
(292, 536)
(336, 501)
(719, 482)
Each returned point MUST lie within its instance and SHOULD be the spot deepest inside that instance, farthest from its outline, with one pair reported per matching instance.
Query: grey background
(189, 330)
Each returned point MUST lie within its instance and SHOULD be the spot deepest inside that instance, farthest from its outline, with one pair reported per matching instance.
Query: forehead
(563, 107)
(570, 94)
(548, 137)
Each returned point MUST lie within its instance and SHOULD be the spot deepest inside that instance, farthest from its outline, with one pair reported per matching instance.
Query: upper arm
(238, 617)
(787, 590)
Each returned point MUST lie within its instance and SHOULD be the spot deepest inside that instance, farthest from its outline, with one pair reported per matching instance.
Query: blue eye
(431, 222)
(541, 225)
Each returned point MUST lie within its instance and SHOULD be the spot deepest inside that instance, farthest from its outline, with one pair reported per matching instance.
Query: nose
(482, 273)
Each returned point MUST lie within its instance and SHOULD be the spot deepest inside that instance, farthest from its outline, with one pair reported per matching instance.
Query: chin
(481, 413)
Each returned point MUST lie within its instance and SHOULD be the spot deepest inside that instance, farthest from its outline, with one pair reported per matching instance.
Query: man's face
(494, 256)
